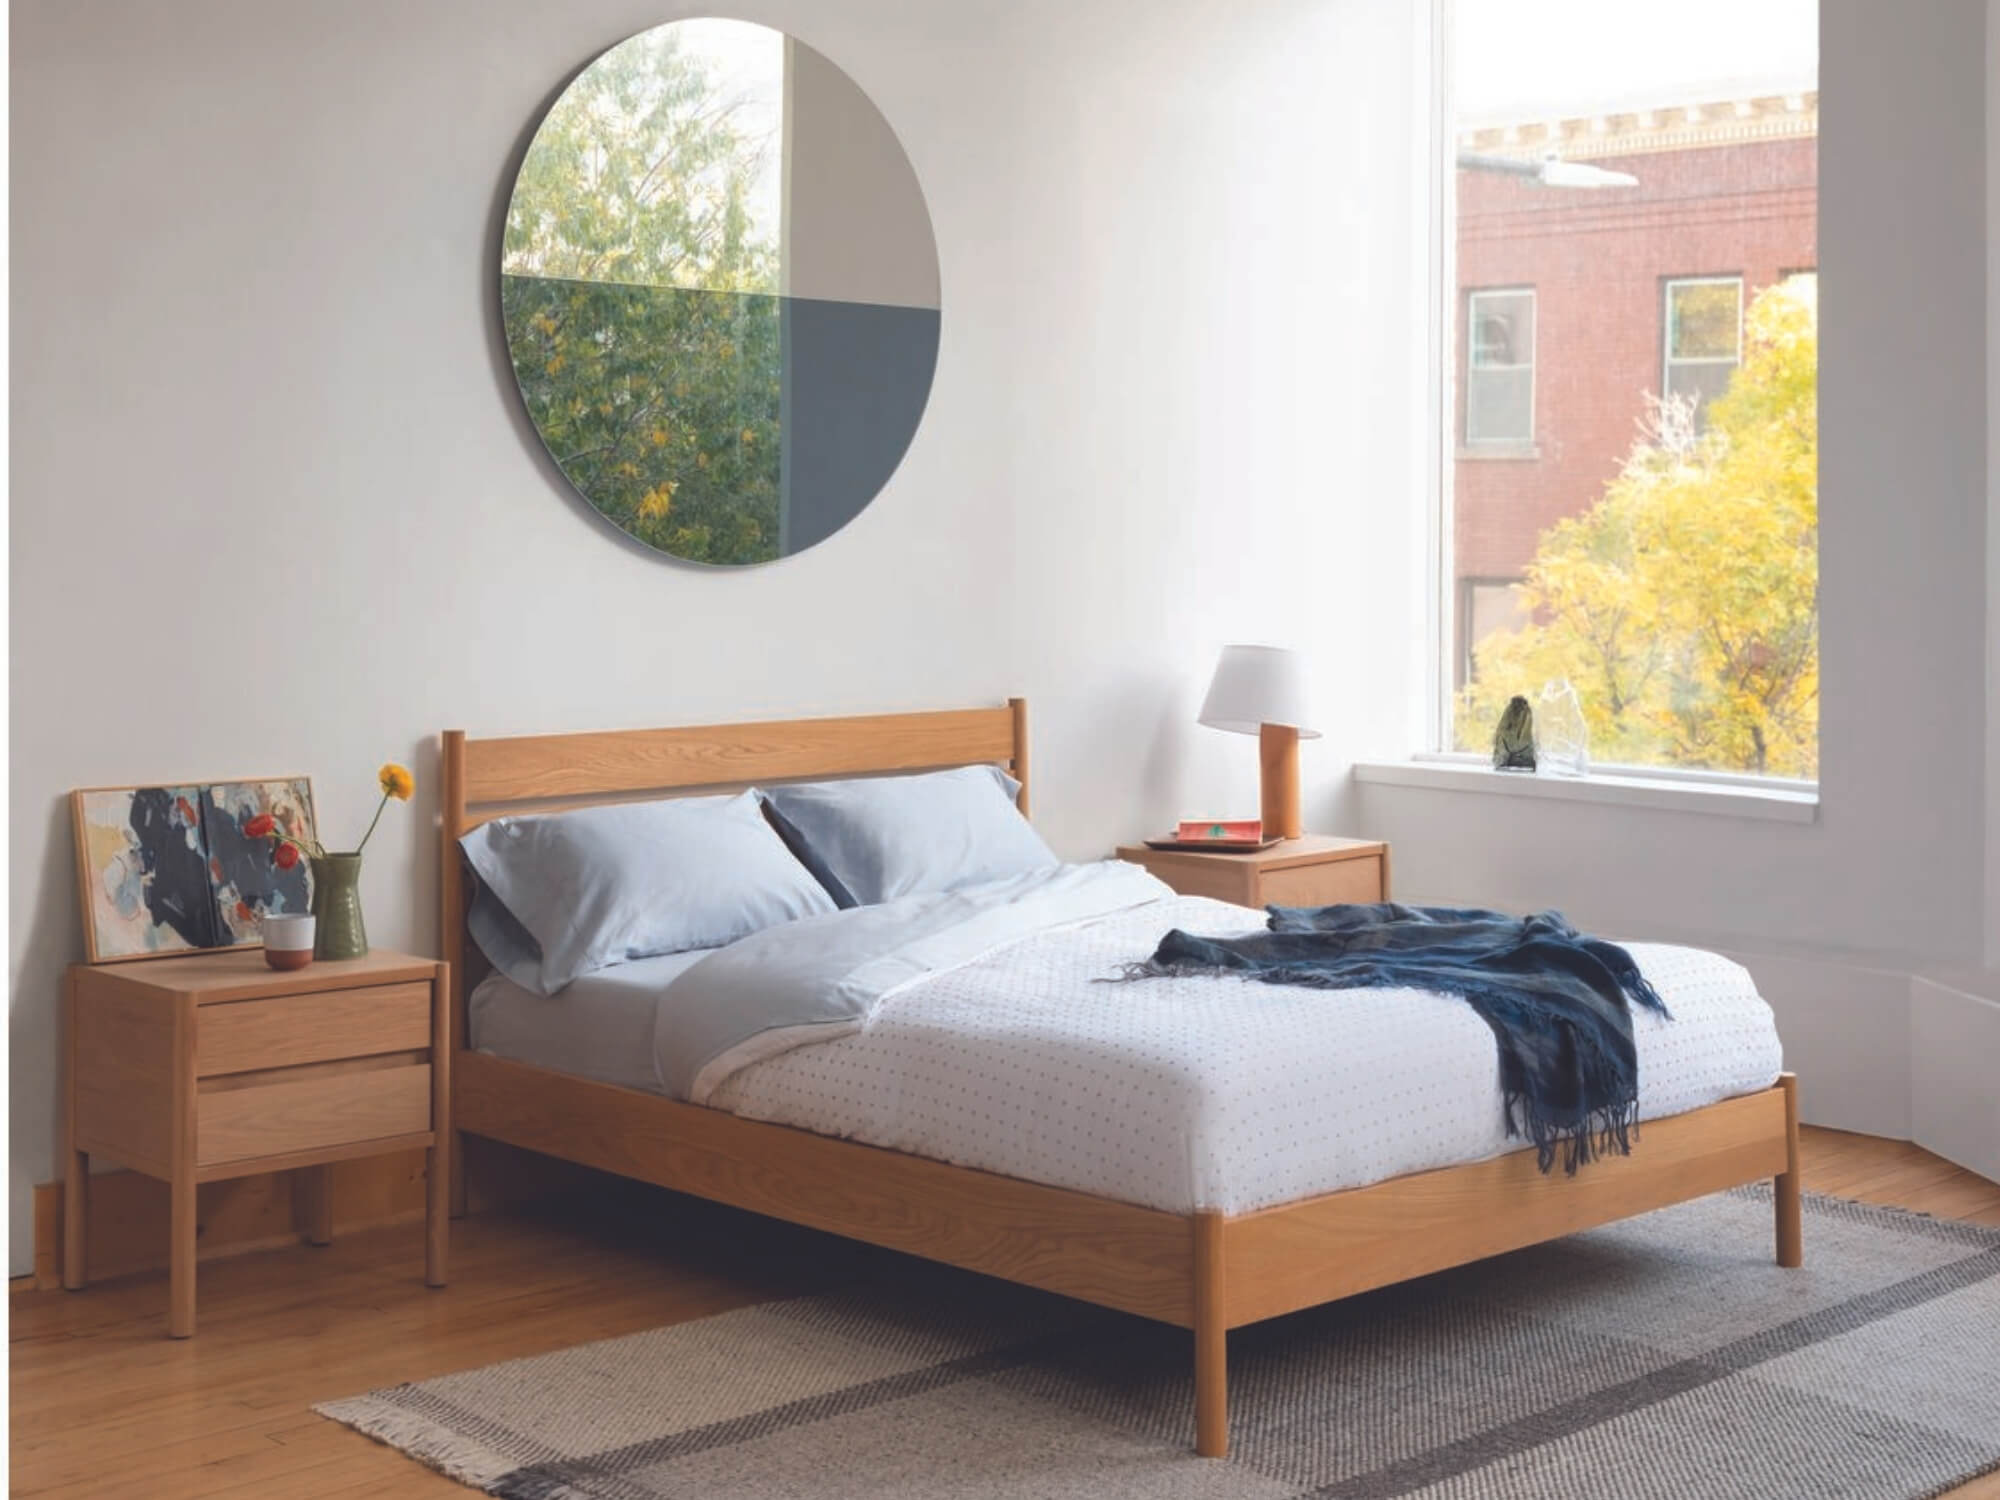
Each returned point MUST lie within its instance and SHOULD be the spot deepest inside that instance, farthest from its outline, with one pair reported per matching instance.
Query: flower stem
(371, 824)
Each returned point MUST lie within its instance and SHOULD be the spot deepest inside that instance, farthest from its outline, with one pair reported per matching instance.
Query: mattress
(1178, 1094)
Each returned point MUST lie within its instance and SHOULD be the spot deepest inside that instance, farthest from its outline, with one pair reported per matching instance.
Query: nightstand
(216, 1065)
(1310, 871)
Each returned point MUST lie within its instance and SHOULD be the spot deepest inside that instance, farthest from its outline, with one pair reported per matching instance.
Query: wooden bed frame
(1207, 1272)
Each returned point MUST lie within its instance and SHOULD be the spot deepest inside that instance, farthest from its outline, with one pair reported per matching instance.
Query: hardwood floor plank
(104, 1405)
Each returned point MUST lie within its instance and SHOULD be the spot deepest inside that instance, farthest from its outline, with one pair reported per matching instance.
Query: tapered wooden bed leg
(1211, 1341)
(1791, 1234)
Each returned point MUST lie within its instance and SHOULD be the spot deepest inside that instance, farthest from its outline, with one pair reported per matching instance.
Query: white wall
(275, 506)
(1214, 385)
(1992, 485)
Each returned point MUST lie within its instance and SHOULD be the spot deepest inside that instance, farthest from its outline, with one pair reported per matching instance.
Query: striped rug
(1663, 1357)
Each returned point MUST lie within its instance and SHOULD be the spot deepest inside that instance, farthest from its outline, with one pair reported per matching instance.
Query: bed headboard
(486, 779)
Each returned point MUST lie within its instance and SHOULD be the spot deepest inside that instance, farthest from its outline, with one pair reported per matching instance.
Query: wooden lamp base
(1278, 746)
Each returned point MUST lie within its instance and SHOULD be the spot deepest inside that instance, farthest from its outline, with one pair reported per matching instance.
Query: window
(1500, 368)
(1618, 243)
(1704, 338)
(1487, 606)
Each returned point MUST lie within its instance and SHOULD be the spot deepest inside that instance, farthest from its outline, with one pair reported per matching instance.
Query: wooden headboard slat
(549, 767)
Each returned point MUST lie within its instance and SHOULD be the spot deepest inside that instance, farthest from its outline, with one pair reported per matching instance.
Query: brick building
(1575, 303)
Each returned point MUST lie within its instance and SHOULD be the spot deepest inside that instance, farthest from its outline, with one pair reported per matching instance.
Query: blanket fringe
(1601, 1132)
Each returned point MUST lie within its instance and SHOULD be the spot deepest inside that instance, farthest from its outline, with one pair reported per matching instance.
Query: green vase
(336, 902)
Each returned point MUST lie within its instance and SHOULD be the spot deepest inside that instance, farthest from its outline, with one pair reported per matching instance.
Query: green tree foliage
(639, 298)
(1684, 604)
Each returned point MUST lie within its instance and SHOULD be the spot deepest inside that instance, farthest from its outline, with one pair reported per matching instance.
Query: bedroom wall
(275, 508)
(1992, 486)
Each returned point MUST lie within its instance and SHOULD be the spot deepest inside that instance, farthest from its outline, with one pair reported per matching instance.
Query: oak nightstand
(215, 1065)
(1310, 871)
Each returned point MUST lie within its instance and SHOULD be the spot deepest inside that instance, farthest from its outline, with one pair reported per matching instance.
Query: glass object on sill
(1514, 737)
(1562, 740)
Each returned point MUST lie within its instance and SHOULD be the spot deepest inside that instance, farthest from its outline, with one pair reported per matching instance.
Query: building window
(1703, 327)
(1619, 238)
(1487, 606)
(1500, 368)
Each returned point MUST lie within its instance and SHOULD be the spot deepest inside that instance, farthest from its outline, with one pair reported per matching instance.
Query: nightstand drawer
(246, 1035)
(309, 1113)
(1324, 884)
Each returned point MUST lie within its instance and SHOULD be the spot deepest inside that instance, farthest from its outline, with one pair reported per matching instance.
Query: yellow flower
(396, 781)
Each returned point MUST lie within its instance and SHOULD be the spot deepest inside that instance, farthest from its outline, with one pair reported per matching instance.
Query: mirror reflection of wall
(720, 292)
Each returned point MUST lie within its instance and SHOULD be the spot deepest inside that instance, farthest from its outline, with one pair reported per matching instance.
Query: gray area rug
(1666, 1356)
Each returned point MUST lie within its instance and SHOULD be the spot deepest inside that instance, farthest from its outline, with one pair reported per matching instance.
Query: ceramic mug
(288, 940)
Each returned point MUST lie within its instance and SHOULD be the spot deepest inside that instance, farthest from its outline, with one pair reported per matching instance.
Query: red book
(1220, 831)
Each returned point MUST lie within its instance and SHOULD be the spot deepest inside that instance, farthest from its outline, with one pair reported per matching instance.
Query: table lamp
(1261, 690)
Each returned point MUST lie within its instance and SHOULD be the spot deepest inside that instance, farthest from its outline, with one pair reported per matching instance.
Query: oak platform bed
(1205, 1271)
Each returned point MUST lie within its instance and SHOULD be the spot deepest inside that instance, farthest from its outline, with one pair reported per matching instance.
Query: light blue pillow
(877, 838)
(569, 893)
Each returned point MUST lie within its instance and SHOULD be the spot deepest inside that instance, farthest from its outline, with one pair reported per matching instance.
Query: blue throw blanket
(1555, 999)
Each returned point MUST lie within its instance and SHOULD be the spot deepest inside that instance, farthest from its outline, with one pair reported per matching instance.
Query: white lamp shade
(1258, 685)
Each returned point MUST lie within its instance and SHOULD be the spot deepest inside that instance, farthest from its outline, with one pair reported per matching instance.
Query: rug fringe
(435, 1446)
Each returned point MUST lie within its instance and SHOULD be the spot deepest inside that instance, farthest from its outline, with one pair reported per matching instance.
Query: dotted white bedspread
(1185, 1094)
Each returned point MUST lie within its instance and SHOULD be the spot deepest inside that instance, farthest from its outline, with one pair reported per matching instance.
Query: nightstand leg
(76, 1217)
(318, 1187)
(180, 1259)
(437, 1211)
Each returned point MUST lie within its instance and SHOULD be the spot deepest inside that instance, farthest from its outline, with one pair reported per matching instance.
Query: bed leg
(1791, 1235)
(1211, 1341)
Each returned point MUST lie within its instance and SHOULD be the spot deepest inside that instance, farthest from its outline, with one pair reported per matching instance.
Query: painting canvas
(168, 869)
(246, 884)
(144, 863)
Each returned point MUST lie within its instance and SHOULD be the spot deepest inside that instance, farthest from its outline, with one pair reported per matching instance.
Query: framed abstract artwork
(167, 869)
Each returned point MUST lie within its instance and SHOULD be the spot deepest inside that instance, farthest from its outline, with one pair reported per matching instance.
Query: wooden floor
(104, 1404)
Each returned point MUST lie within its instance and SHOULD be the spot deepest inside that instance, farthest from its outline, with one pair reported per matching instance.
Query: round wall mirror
(720, 292)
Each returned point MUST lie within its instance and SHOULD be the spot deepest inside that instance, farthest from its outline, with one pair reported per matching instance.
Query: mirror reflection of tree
(639, 292)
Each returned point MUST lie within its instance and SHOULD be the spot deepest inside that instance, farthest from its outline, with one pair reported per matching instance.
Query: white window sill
(1788, 802)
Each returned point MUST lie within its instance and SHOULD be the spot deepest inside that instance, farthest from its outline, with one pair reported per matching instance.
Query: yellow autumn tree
(1684, 605)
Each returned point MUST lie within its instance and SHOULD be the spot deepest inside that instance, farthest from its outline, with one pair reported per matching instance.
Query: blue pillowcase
(569, 893)
(874, 839)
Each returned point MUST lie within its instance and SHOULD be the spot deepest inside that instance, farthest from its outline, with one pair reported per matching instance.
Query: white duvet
(1225, 1094)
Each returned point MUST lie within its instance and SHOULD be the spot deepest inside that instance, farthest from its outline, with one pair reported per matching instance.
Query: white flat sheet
(1186, 1094)
(1174, 1093)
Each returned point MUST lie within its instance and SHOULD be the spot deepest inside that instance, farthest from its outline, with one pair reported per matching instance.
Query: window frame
(1526, 440)
(1668, 285)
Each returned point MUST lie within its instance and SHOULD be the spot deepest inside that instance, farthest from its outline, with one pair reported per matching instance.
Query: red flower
(260, 827)
(286, 856)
